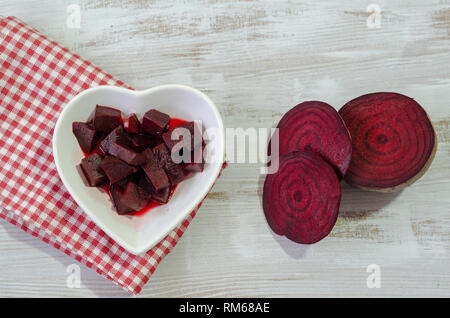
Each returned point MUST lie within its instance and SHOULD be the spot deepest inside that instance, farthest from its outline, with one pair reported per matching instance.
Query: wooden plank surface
(256, 59)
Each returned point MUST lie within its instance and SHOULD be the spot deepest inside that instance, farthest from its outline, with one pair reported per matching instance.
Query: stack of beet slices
(301, 200)
(379, 142)
(132, 160)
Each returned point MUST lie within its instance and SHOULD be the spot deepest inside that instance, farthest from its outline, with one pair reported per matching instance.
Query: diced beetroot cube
(87, 137)
(130, 200)
(106, 118)
(195, 132)
(144, 195)
(167, 138)
(144, 184)
(132, 124)
(197, 162)
(154, 172)
(197, 154)
(173, 170)
(126, 154)
(116, 169)
(134, 177)
(91, 169)
(133, 198)
(162, 196)
(155, 122)
(118, 135)
(193, 167)
(123, 182)
(162, 153)
(116, 193)
(151, 159)
(141, 142)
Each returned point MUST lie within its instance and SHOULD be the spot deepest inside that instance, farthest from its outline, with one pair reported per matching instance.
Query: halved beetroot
(106, 118)
(173, 170)
(91, 168)
(87, 137)
(132, 124)
(155, 122)
(154, 172)
(116, 169)
(317, 127)
(126, 154)
(393, 141)
(301, 200)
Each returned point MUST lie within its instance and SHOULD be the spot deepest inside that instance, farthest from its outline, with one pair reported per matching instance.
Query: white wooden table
(256, 59)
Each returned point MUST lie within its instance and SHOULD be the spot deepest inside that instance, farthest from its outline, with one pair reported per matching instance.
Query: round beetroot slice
(393, 141)
(317, 127)
(301, 200)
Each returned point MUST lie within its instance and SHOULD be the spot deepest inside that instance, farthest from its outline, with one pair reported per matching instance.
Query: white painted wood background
(256, 59)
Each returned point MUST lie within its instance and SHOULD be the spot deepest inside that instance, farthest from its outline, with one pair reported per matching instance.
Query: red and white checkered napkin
(37, 78)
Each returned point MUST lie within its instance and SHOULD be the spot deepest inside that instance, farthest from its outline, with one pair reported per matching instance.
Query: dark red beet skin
(393, 141)
(301, 200)
(317, 127)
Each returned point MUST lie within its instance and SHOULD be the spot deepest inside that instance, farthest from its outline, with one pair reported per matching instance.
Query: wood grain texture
(256, 59)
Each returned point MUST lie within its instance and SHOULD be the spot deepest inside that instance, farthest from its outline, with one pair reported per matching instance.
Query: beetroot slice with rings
(301, 200)
(393, 141)
(317, 127)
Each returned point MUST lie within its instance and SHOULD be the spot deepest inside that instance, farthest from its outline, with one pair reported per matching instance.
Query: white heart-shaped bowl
(138, 234)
